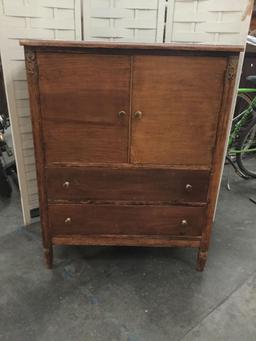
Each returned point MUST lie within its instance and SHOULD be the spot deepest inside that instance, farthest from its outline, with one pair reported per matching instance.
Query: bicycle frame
(245, 115)
(246, 90)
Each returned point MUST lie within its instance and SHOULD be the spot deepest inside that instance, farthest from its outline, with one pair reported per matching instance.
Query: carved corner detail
(31, 64)
(231, 69)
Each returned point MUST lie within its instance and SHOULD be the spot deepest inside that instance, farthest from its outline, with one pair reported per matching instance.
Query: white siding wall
(20, 19)
(208, 21)
(124, 20)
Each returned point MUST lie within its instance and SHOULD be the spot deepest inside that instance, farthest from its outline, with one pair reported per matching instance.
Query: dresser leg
(201, 259)
(48, 254)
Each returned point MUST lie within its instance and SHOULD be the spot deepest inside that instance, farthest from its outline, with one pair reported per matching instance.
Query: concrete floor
(132, 294)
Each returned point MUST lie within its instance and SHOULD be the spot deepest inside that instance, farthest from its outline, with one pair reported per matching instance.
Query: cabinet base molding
(131, 240)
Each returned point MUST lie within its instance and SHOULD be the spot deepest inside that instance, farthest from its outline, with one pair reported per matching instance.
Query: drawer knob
(188, 187)
(137, 115)
(66, 184)
(121, 114)
(68, 220)
(184, 222)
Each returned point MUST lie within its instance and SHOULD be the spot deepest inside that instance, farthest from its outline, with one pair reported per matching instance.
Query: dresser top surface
(130, 46)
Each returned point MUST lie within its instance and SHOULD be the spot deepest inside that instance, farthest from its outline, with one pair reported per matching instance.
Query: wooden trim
(130, 112)
(126, 165)
(130, 203)
(220, 149)
(34, 98)
(133, 46)
(131, 240)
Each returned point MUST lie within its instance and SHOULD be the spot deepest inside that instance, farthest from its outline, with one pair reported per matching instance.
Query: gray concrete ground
(132, 294)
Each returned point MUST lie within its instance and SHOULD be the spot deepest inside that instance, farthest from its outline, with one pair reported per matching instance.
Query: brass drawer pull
(137, 115)
(68, 220)
(122, 114)
(66, 184)
(188, 188)
(184, 222)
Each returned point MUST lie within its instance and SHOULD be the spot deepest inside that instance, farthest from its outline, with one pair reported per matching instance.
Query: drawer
(125, 219)
(127, 184)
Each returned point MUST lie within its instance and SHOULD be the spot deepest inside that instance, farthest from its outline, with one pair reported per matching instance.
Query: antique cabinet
(129, 141)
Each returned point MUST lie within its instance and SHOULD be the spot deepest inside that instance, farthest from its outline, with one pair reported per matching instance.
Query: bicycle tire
(239, 108)
(243, 134)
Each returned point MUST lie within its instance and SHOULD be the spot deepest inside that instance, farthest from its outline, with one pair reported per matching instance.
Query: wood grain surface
(81, 96)
(127, 184)
(180, 100)
(125, 219)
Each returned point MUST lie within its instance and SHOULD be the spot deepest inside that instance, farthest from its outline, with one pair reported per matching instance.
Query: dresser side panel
(35, 106)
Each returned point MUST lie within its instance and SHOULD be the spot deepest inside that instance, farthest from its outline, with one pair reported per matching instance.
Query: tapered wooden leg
(201, 259)
(48, 254)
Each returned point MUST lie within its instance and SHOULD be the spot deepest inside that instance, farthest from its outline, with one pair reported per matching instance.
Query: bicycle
(241, 152)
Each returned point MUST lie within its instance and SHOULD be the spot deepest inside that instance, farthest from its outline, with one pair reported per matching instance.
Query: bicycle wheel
(242, 102)
(246, 160)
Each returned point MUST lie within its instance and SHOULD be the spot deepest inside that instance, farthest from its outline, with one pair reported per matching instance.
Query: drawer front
(133, 184)
(126, 219)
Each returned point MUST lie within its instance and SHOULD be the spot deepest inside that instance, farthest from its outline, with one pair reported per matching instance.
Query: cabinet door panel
(81, 96)
(180, 99)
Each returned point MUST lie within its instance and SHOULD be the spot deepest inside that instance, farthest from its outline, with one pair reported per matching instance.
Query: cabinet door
(176, 102)
(81, 98)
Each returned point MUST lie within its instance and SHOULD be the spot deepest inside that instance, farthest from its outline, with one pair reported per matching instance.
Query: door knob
(184, 222)
(188, 187)
(122, 113)
(66, 184)
(137, 115)
(68, 220)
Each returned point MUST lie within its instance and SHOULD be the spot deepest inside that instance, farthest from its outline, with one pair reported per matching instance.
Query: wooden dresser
(129, 141)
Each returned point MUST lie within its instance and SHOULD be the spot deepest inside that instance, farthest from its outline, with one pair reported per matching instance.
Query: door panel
(81, 96)
(180, 99)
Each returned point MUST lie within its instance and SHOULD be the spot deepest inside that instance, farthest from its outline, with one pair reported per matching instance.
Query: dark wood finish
(125, 219)
(127, 171)
(177, 109)
(81, 96)
(201, 259)
(130, 184)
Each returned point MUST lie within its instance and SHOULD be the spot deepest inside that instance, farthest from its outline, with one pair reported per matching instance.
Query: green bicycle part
(245, 115)
(233, 151)
(246, 90)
